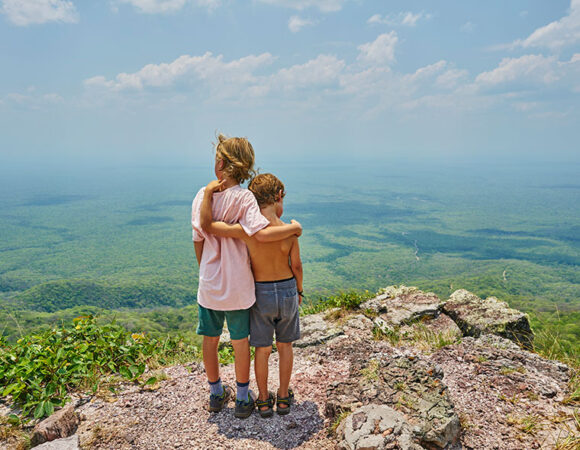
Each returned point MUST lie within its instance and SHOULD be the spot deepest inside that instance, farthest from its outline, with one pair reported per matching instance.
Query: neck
(229, 182)
(269, 212)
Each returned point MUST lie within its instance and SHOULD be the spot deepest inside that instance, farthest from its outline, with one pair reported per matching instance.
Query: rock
(397, 291)
(360, 322)
(408, 384)
(375, 305)
(315, 330)
(410, 307)
(68, 443)
(443, 324)
(379, 304)
(495, 341)
(427, 334)
(476, 316)
(61, 424)
(376, 427)
(383, 326)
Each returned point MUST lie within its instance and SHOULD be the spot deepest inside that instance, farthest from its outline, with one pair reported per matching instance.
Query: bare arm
(198, 250)
(271, 234)
(296, 267)
(218, 228)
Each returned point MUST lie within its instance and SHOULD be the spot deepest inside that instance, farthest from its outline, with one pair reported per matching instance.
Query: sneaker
(217, 402)
(244, 409)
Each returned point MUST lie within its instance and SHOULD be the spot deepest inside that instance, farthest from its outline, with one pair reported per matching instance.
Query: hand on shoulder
(215, 186)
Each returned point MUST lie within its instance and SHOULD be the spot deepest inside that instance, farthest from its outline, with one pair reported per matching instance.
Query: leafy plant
(39, 371)
(345, 300)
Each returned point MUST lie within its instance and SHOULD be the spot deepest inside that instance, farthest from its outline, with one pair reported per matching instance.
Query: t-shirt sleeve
(198, 233)
(251, 219)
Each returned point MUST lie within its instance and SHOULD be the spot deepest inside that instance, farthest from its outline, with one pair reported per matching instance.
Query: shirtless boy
(277, 270)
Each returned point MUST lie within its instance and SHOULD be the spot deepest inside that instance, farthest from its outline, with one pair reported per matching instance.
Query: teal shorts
(211, 322)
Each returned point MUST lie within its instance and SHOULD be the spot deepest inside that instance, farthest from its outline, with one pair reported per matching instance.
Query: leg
(242, 359)
(261, 369)
(210, 357)
(286, 355)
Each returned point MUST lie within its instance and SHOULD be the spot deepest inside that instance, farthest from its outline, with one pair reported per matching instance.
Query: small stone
(61, 424)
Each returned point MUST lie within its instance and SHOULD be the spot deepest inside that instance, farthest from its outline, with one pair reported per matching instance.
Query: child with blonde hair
(226, 285)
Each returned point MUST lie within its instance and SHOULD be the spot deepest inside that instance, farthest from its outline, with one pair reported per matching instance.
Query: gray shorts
(275, 310)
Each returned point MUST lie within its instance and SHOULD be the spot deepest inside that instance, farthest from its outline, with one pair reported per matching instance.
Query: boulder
(314, 330)
(69, 443)
(476, 316)
(378, 304)
(61, 424)
(410, 385)
(411, 307)
(376, 427)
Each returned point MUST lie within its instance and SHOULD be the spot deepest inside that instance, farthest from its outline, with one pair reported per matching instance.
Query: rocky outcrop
(476, 316)
(424, 384)
(61, 424)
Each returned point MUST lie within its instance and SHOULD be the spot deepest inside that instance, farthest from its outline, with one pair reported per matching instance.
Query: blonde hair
(265, 188)
(238, 156)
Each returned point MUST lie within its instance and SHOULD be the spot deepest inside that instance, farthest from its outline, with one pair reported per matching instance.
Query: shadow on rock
(288, 431)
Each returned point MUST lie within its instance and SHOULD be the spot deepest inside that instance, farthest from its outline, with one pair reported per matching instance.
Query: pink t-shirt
(226, 282)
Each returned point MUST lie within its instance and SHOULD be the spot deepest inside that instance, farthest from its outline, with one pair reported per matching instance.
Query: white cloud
(31, 100)
(524, 70)
(367, 84)
(325, 69)
(557, 34)
(186, 69)
(381, 51)
(322, 5)
(168, 6)
(296, 23)
(28, 12)
(401, 19)
(451, 78)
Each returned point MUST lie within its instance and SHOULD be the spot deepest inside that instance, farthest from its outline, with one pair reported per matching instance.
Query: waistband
(278, 284)
(276, 281)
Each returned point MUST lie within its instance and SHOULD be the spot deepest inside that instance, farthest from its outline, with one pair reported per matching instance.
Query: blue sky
(152, 80)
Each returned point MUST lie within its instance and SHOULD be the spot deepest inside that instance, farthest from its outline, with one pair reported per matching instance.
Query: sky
(152, 81)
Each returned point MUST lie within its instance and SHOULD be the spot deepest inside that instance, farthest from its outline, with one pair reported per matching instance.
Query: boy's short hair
(265, 188)
(238, 156)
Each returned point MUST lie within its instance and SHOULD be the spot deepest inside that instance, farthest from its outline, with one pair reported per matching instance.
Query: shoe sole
(243, 415)
(266, 414)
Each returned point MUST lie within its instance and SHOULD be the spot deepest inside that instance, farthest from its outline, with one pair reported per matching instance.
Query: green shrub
(39, 371)
(345, 300)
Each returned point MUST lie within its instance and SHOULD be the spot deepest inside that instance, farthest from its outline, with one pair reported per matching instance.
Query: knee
(240, 342)
(211, 341)
(284, 346)
(263, 350)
